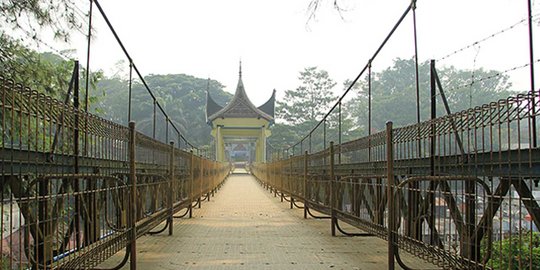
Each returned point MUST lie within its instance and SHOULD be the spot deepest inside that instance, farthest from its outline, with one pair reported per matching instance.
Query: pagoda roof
(240, 106)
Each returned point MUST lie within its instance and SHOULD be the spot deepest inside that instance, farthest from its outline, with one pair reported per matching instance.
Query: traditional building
(240, 122)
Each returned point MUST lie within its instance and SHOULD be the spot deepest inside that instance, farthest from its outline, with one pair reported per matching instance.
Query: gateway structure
(240, 125)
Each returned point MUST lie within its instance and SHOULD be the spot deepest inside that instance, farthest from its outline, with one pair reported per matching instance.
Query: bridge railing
(463, 187)
(76, 189)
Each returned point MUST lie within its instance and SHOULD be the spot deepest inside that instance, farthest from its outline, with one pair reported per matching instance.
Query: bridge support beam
(333, 194)
(133, 198)
(390, 193)
(171, 189)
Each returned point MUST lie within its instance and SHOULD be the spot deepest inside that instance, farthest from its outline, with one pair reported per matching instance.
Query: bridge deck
(244, 226)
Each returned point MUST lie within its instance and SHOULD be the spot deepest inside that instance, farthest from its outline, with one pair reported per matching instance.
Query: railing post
(324, 134)
(213, 177)
(130, 87)
(171, 189)
(192, 171)
(332, 191)
(76, 145)
(310, 143)
(306, 196)
(132, 198)
(432, 149)
(210, 181)
(390, 193)
(369, 111)
(289, 185)
(339, 132)
(201, 179)
(531, 66)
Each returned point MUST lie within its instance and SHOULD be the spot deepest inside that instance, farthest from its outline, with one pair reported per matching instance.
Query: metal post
(324, 134)
(413, 226)
(433, 90)
(171, 188)
(369, 111)
(339, 131)
(306, 195)
(531, 59)
(310, 143)
(76, 150)
(289, 161)
(417, 83)
(210, 185)
(133, 198)
(332, 191)
(192, 171)
(130, 89)
(87, 82)
(154, 122)
(432, 148)
(390, 193)
(167, 128)
(201, 179)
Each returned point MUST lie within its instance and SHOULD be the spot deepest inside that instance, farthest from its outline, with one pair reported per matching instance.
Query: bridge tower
(240, 123)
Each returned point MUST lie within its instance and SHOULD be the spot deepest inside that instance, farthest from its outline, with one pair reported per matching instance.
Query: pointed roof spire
(240, 70)
(240, 106)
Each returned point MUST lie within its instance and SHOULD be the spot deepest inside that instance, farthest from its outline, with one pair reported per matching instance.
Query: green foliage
(47, 73)
(4, 262)
(44, 72)
(516, 252)
(393, 98)
(303, 107)
(60, 16)
(394, 93)
(309, 101)
(284, 135)
(182, 96)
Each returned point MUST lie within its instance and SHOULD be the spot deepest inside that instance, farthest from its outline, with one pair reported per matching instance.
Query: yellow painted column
(219, 145)
(263, 141)
(259, 152)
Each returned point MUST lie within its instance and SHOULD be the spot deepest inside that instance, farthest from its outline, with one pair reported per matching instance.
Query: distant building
(240, 123)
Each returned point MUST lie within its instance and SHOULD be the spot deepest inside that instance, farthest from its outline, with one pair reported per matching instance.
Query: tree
(30, 16)
(303, 107)
(182, 96)
(393, 93)
(310, 101)
(392, 97)
(45, 72)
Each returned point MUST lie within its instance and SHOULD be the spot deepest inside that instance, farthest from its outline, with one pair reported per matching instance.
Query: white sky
(207, 38)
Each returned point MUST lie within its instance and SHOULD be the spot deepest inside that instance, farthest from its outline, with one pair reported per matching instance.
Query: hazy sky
(207, 38)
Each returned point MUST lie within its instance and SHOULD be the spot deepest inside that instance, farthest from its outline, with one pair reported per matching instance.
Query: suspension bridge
(454, 192)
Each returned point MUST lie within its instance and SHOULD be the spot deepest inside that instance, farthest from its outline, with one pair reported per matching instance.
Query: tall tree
(303, 107)
(182, 96)
(393, 93)
(30, 16)
(310, 101)
(28, 20)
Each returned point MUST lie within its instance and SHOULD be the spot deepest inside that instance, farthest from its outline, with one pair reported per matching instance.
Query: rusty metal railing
(468, 200)
(63, 207)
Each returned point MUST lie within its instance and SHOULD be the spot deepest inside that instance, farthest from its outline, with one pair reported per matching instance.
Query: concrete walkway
(246, 227)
